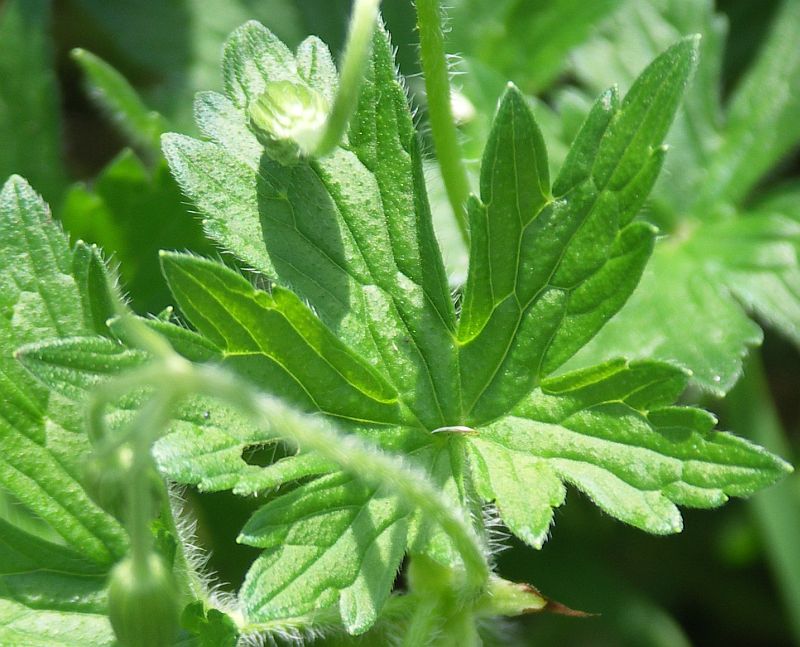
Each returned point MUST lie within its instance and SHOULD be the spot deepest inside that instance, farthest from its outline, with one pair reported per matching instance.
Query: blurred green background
(711, 585)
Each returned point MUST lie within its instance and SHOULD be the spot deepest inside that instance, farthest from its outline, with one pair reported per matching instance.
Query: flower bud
(143, 603)
(105, 478)
(288, 119)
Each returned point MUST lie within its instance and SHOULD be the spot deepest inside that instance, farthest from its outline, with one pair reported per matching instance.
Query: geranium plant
(393, 418)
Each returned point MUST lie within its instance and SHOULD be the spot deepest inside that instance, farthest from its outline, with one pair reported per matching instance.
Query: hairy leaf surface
(351, 236)
(275, 339)
(350, 233)
(41, 436)
(347, 315)
(545, 273)
(345, 538)
(612, 432)
(50, 594)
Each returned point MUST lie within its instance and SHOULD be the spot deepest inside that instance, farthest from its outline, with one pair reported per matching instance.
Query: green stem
(356, 54)
(189, 583)
(425, 621)
(105, 393)
(152, 418)
(440, 111)
(776, 510)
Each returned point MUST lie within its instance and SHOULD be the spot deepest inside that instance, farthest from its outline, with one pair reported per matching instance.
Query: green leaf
(41, 575)
(636, 33)
(756, 257)
(207, 441)
(276, 340)
(681, 315)
(761, 126)
(378, 346)
(722, 260)
(212, 627)
(30, 126)
(94, 280)
(333, 539)
(499, 35)
(707, 284)
(41, 436)
(204, 445)
(49, 594)
(350, 233)
(506, 477)
(611, 432)
(21, 626)
(574, 260)
(113, 93)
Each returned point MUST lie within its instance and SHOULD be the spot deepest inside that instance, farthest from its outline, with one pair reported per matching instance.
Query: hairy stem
(776, 510)
(440, 110)
(426, 621)
(189, 583)
(150, 419)
(356, 54)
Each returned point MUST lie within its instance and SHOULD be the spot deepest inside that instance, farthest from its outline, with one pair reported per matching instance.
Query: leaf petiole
(356, 55)
(440, 111)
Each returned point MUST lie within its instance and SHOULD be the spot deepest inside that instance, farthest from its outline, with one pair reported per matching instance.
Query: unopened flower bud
(143, 604)
(288, 119)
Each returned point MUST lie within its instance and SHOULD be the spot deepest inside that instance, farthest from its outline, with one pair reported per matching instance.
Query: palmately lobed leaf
(549, 267)
(546, 274)
(357, 325)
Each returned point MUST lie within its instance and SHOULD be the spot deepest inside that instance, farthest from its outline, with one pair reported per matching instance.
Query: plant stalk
(152, 417)
(356, 55)
(777, 509)
(440, 111)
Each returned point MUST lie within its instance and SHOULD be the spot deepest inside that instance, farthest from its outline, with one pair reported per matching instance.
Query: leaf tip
(511, 92)
(609, 99)
(691, 45)
(784, 467)
(14, 180)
